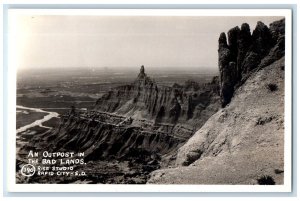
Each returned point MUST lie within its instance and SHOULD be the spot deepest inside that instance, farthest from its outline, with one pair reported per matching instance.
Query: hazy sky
(103, 41)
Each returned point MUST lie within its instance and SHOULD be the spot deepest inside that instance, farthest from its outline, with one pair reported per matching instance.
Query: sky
(122, 41)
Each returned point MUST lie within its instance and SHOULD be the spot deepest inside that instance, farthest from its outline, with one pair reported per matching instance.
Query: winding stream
(39, 121)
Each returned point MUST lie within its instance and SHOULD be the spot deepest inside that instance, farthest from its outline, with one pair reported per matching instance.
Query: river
(39, 121)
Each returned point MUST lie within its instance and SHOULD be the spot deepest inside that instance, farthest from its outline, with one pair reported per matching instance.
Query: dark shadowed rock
(142, 74)
(277, 31)
(223, 40)
(245, 53)
(174, 113)
(226, 84)
(244, 42)
(261, 39)
(233, 37)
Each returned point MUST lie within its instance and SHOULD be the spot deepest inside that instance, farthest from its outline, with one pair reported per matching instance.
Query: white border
(153, 12)
(12, 187)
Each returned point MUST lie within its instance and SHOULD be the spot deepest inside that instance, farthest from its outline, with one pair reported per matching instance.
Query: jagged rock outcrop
(242, 143)
(142, 75)
(140, 122)
(177, 104)
(100, 140)
(245, 53)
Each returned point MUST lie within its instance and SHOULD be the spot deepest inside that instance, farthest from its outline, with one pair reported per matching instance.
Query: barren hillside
(243, 143)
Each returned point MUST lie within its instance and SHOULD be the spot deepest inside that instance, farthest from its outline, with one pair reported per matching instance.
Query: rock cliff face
(245, 53)
(140, 116)
(140, 122)
(104, 141)
(177, 104)
(242, 143)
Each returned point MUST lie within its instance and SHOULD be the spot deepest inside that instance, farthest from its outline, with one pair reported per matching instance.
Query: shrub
(266, 180)
(272, 87)
(263, 120)
(277, 171)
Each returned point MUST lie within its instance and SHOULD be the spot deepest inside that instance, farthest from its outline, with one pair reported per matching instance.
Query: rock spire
(245, 52)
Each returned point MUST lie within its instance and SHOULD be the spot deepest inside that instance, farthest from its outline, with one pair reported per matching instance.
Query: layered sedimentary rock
(103, 140)
(145, 99)
(140, 117)
(244, 53)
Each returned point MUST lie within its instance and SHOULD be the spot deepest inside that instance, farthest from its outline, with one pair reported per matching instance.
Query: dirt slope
(242, 143)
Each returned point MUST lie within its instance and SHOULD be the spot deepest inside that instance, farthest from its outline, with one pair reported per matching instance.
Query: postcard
(149, 100)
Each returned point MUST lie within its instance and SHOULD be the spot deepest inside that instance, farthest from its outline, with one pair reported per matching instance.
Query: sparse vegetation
(272, 87)
(277, 171)
(266, 180)
(263, 120)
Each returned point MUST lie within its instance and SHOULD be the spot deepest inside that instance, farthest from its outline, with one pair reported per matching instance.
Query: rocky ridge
(243, 143)
(177, 104)
(141, 123)
(240, 54)
(139, 116)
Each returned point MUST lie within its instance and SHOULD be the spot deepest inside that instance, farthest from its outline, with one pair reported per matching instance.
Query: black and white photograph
(152, 99)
